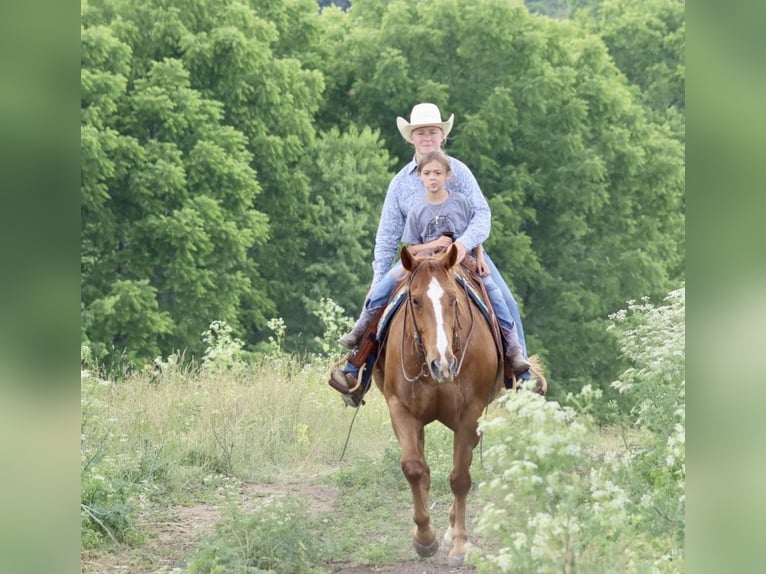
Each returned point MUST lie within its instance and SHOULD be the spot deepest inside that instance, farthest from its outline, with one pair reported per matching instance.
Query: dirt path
(172, 540)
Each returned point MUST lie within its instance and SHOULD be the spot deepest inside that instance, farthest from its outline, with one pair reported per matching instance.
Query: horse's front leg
(460, 483)
(410, 434)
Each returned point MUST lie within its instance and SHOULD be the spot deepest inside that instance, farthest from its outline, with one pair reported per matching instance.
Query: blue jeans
(509, 301)
(382, 291)
(502, 312)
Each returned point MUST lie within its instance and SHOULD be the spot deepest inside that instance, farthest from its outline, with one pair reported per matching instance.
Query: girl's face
(427, 139)
(434, 175)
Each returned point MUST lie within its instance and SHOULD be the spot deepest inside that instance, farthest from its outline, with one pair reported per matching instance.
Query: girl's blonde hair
(434, 156)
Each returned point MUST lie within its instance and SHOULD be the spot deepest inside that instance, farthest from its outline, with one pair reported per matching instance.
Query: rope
(348, 436)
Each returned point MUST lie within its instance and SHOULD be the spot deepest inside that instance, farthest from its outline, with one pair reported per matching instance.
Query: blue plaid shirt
(400, 197)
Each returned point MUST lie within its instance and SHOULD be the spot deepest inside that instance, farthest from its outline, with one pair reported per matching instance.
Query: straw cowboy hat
(423, 115)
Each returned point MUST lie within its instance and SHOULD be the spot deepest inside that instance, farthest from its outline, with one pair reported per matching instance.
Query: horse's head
(432, 300)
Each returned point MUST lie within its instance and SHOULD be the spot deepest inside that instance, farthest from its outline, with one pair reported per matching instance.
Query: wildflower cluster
(223, 350)
(335, 323)
(562, 500)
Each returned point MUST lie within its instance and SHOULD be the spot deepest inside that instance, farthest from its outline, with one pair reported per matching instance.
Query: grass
(179, 437)
(176, 437)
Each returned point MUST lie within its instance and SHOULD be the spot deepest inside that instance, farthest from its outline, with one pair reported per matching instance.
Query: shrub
(563, 501)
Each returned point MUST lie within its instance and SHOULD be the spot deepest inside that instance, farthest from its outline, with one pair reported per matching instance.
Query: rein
(417, 339)
(470, 332)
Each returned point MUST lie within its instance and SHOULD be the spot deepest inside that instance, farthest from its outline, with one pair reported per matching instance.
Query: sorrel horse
(439, 363)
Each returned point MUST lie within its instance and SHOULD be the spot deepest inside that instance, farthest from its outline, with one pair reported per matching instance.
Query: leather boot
(513, 351)
(343, 382)
(351, 339)
(518, 363)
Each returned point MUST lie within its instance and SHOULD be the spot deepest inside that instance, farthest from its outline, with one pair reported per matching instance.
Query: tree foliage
(235, 156)
(647, 42)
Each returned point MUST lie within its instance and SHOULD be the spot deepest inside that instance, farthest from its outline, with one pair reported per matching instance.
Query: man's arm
(463, 181)
(390, 228)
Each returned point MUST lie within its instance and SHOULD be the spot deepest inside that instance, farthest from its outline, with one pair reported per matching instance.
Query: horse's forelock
(433, 267)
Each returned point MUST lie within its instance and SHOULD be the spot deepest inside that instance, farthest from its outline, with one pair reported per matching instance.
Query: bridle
(457, 349)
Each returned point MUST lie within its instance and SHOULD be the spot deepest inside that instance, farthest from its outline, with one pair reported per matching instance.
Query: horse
(439, 362)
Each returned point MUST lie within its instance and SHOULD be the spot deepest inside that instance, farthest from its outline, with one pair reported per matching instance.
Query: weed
(277, 538)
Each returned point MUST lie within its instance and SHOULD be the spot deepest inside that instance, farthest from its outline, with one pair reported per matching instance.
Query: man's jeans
(509, 301)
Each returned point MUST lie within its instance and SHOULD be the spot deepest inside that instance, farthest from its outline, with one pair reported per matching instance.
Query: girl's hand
(461, 252)
(442, 243)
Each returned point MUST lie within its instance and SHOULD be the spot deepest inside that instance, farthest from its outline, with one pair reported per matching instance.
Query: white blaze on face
(435, 293)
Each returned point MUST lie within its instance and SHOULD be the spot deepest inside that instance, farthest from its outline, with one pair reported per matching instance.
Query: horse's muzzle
(443, 371)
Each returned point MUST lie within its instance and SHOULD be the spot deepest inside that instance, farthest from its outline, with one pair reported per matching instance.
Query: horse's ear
(408, 261)
(451, 256)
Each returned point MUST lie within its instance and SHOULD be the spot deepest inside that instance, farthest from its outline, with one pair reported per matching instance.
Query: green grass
(154, 441)
(181, 437)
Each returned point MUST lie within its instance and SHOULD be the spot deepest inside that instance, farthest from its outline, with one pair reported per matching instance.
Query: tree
(167, 211)
(348, 183)
(205, 173)
(647, 41)
(271, 99)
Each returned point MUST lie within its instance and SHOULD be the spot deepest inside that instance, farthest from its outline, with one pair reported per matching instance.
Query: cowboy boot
(351, 339)
(343, 382)
(519, 364)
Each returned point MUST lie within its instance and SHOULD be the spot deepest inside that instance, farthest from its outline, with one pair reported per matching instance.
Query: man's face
(427, 139)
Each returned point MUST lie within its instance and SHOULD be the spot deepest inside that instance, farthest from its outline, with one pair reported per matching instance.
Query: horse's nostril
(434, 367)
(453, 365)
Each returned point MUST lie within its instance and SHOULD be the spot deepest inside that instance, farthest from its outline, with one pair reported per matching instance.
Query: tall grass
(174, 432)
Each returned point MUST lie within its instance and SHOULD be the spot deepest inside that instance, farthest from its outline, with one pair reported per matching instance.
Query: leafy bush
(223, 351)
(335, 324)
(277, 538)
(653, 338)
(562, 501)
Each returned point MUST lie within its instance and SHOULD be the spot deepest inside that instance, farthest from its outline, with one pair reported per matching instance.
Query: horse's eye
(416, 302)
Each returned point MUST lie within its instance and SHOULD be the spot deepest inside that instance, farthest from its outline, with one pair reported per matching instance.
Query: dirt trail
(172, 541)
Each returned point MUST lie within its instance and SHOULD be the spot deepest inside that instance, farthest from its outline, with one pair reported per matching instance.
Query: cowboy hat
(424, 115)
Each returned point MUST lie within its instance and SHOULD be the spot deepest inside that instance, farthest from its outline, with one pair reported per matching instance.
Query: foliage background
(235, 156)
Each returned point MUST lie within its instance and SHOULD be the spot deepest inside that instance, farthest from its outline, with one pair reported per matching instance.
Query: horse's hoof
(426, 550)
(456, 561)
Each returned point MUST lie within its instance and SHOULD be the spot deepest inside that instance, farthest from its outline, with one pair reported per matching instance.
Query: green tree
(647, 41)
(348, 181)
(167, 210)
(271, 99)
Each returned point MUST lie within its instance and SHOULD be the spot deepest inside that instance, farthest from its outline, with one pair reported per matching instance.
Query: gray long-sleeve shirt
(403, 190)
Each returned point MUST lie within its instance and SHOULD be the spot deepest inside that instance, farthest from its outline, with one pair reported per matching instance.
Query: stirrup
(343, 382)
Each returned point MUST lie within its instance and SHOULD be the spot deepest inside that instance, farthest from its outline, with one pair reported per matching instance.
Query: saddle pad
(476, 298)
(389, 312)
